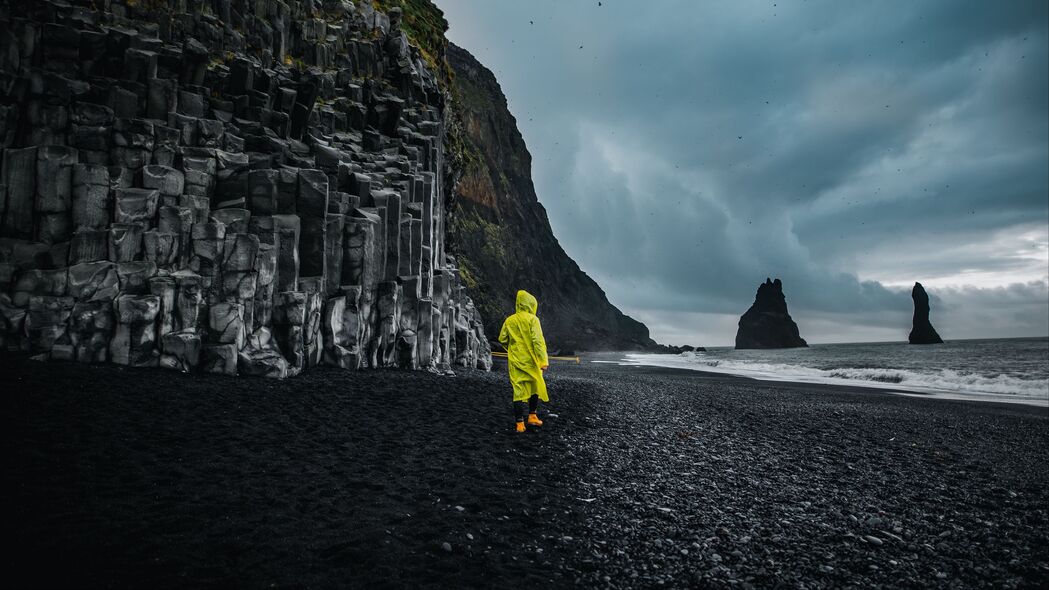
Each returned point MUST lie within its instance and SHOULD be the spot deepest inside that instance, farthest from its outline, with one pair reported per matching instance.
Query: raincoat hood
(526, 302)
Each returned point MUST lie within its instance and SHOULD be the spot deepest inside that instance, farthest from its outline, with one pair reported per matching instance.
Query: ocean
(1009, 370)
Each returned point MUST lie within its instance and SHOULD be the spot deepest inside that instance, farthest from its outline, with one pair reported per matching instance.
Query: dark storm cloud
(687, 150)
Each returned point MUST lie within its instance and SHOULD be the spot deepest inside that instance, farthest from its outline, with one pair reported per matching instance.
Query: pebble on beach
(352, 469)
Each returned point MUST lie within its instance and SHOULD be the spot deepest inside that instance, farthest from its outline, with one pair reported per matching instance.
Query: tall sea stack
(922, 331)
(767, 324)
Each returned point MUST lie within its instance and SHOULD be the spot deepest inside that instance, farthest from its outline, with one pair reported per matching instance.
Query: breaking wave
(944, 381)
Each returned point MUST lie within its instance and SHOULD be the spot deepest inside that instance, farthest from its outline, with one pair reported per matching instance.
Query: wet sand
(643, 477)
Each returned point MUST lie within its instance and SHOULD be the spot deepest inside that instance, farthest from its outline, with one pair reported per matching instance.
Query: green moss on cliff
(463, 154)
(491, 239)
(485, 251)
(425, 26)
(467, 275)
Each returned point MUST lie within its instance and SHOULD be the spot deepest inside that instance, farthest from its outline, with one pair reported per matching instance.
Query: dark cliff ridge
(502, 236)
(922, 331)
(234, 187)
(767, 324)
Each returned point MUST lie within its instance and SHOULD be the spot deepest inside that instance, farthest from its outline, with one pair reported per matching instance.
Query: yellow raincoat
(522, 337)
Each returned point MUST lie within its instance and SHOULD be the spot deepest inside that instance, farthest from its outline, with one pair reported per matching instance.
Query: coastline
(640, 477)
(621, 358)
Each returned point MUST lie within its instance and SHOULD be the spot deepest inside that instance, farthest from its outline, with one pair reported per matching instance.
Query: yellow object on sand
(522, 337)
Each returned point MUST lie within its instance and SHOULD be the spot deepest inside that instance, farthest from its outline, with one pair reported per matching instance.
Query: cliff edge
(501, 235)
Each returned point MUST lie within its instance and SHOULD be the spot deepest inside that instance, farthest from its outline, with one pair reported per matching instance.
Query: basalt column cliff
(235, 186)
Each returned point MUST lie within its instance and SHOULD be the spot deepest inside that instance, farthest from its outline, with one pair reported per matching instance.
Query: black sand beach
(645, 477)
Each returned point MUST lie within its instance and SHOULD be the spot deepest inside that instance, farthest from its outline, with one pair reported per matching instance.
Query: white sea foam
(946, 383)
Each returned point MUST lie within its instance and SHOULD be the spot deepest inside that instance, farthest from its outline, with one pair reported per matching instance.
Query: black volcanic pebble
(645, 477)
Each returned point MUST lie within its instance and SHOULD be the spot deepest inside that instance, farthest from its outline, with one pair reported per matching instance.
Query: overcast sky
(687, 150)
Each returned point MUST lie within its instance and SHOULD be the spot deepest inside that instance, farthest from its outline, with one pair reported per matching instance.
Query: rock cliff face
(922, 331)
(767, 324)
(501, 234)
(234, 186)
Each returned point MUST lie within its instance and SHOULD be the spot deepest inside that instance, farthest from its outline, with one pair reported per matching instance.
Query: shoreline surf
(934, 382)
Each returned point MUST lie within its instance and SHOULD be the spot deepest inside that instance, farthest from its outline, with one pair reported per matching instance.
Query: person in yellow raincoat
(522, 337)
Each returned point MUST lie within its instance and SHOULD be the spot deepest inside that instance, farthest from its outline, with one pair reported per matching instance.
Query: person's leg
(519, 417)
(533, 405)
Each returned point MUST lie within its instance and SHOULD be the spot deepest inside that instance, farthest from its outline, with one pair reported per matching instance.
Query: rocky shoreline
(641, 477)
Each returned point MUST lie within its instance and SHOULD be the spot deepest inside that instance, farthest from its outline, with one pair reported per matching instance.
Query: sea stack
(767, 324)
(922, 331)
